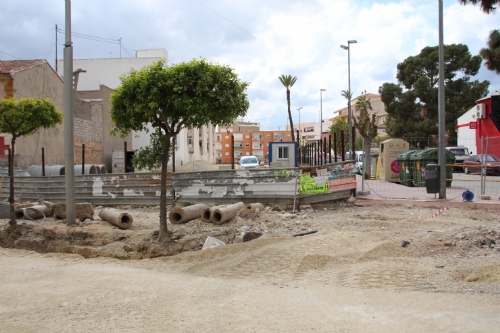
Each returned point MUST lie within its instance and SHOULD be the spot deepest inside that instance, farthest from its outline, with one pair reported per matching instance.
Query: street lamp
(348, 48)
(298, 109)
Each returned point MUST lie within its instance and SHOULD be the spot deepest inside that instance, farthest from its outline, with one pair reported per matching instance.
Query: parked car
(461, 155)
(248, 162)
(489, 163)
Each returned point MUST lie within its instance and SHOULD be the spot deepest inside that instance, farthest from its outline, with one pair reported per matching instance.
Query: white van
(248, 162)
(360, 156)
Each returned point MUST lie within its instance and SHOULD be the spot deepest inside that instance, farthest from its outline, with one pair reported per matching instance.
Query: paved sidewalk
(382, 190)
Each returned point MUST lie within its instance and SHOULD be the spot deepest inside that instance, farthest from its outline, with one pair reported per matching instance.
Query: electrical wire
(10, 55)
(227, 20)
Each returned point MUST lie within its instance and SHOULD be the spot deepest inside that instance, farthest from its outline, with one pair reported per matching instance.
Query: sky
(259, 39)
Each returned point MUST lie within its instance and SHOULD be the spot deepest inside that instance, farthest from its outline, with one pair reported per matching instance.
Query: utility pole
(441, 108)
(120, 41)
(69, 149)
(56, 50)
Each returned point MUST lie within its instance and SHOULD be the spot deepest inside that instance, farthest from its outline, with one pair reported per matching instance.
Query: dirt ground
(372, 267)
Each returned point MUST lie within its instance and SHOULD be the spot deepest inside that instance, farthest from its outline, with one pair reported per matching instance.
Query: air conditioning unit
(480, 111)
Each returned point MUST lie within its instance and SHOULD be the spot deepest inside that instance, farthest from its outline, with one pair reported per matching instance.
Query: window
(247, 136)
(268, 135)
(190, 141)
(238, 136)
(283, 152)
(218, 137)
(227, 153)
(226, 145)
(247, 145)
(288, 135)
(227, 136)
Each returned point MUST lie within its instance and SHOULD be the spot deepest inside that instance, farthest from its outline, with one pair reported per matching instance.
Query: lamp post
(349, 113)
(298, 109)
(321, 114)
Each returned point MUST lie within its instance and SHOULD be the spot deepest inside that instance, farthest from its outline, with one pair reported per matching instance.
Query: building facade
(249, 140)
(378, 109)
(106, 72)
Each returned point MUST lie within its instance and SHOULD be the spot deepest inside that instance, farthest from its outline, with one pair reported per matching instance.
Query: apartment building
(249, 140)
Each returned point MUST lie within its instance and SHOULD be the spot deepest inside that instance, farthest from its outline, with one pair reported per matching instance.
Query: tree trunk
(11, 181)
(290, 114)
(163, 192)
(367, 170)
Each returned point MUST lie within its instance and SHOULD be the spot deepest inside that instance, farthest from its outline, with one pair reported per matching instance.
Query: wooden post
(335, 146)
(342, 148)
(232, 151)
(324, 151)
(8, 161)
(330, 146)
(125, 156)
(173, 155)
(83, 159)
(43, 161)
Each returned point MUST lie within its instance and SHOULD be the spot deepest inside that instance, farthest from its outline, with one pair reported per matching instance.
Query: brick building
(248, 140)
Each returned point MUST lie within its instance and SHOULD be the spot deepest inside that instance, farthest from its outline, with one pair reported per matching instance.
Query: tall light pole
(298, 109)
(321, 114)
(441, 110)
(349, 113)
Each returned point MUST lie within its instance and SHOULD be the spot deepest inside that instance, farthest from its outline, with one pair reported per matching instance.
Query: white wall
(467, 136)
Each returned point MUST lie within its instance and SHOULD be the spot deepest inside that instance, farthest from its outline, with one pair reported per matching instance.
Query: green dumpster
(430, 156)
(406, 166)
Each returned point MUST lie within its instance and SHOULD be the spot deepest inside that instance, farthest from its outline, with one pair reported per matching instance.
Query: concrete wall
(109, 142)
(267, 186)
(37, 82)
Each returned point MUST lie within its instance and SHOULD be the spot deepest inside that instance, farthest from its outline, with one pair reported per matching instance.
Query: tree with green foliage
(22, 118)
(491, 54)
(288, 81)
(340, 127)
(487, 6)
(413, 113)
(188, 94)
(365, 124)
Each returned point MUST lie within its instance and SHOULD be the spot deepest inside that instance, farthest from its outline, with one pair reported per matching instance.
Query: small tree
(288, 81)
(22, 118)
(189, 94)
(365, 124)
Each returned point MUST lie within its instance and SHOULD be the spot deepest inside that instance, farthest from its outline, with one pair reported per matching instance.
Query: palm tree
(365, 124)
(347, 94)
(491, 54)
(488, 6)
(288, 81)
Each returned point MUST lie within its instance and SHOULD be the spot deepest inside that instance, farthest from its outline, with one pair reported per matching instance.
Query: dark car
(491, 164)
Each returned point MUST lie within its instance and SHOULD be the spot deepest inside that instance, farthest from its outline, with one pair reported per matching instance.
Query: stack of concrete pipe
(221, 214)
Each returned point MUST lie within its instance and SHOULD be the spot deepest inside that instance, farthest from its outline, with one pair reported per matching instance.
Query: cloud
(260, 39)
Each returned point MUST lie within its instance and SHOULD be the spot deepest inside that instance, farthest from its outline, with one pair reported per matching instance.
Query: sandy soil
(353, 275)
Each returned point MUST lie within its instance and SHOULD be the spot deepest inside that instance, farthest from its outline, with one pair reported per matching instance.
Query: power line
(228, 20)
(10, 55)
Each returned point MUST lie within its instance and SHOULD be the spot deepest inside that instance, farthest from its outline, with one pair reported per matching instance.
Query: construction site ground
(374, 266)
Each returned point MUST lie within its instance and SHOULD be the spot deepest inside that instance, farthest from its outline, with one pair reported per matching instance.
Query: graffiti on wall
(341, 177)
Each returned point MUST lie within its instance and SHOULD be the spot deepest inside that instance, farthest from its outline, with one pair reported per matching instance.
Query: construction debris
(114, 216)
(180, 215)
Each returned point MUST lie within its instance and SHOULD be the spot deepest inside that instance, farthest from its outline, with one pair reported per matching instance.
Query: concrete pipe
(55, 170)
(90, 169)
(113, 216)
(251, 208)
(33, 212)
(207, 213)
(103, 170)
(224, 214)
(180, 215)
